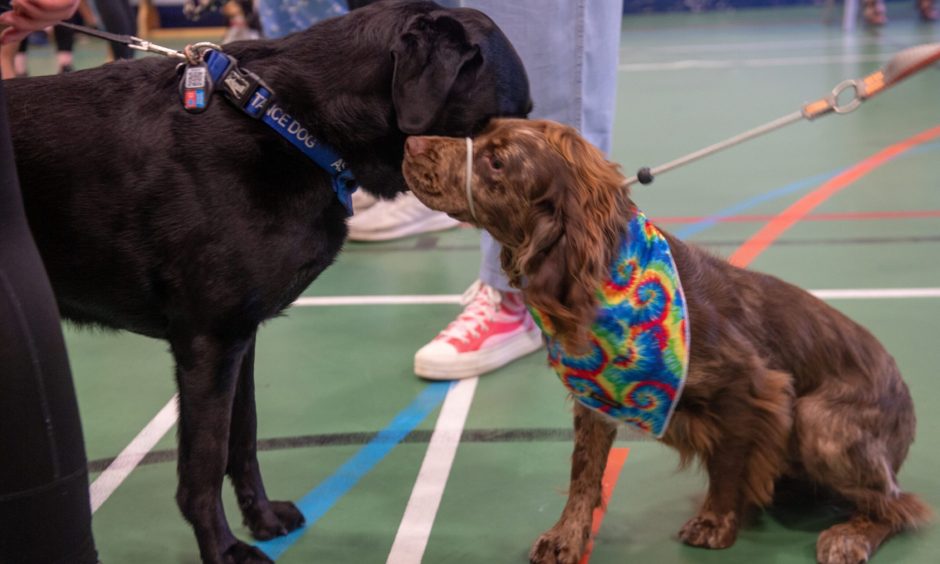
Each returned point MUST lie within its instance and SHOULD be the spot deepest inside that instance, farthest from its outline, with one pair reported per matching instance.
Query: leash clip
(858, 97)
(195, 54)
(148, 47)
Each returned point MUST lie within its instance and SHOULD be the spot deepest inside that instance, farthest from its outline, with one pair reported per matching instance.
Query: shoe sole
(438, 223)
(481, 362)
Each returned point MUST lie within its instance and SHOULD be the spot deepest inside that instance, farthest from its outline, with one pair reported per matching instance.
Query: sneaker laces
(481, 303)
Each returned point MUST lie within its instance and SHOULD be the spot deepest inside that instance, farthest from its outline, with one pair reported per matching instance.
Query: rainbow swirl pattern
(638, 356)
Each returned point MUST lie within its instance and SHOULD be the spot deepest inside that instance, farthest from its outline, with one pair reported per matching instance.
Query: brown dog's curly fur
(780, 385)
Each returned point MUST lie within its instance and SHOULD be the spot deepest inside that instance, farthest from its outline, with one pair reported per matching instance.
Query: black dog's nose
(416, 145)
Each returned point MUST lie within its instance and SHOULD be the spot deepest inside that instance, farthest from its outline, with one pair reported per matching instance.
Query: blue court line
(714, 219)
(803, 184)
(322, 498)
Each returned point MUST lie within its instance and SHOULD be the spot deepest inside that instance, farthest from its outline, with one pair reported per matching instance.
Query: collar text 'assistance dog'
(246, 90)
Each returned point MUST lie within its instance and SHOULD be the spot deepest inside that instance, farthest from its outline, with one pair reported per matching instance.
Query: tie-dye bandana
(638, 357)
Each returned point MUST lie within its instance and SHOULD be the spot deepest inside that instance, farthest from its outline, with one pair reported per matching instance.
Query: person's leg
(45, 516)
(239, 27)
(117, 17)
(64, 42)
(927, 10)
(491, 271)
(8, 56)
(87, 14)
(20, 60)
(874, 12)
(570, 51)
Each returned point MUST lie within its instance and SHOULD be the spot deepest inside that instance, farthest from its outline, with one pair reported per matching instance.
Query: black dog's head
(454, 69)
(449, 71)
(370, 78)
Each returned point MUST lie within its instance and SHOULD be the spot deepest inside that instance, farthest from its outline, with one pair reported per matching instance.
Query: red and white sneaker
(494, 329)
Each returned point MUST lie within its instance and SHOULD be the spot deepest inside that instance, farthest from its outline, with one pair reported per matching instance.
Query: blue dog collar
(247, 91)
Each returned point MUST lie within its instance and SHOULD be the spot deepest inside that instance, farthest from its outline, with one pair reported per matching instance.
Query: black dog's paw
(842, 544)
(708, 530)
(559, 545)
(288, 514)
(241, 553)
(279, 518)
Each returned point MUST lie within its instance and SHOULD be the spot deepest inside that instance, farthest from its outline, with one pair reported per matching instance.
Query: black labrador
(195, 228)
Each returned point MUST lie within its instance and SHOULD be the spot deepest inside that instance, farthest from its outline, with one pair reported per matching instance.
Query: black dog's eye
(497, 164)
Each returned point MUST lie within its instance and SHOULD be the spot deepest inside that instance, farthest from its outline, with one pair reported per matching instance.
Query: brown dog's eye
(494, 161)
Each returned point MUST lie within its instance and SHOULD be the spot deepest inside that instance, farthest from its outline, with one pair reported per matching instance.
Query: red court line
(614, 463)
(834, 216)
(758, 243)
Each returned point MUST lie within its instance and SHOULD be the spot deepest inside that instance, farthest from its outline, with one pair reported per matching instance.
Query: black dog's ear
(428, 58)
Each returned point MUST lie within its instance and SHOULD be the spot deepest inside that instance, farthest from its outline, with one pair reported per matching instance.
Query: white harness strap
(470, 177)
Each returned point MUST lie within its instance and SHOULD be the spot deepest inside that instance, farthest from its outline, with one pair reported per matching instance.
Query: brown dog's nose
(416, 145)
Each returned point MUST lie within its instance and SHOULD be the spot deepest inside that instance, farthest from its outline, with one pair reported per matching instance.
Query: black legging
(64, 37)
(118, 17)
(45, 517)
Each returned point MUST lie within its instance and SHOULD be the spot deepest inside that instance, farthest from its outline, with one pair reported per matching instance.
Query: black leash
(125, 39)
(129, 40)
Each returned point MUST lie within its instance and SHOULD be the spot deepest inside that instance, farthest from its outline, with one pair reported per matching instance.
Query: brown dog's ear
(558, 266)
(573, 229)
(428, 58)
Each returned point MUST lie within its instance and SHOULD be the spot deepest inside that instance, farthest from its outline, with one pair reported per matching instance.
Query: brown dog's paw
(708, 530)
(241, 553)
(282, 518)
(842, 544)
(558, 546)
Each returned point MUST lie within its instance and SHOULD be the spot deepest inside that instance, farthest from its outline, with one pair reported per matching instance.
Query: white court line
(415, 527)
(876, 293)
(378, 300)
(698, 64)
(130, 457)
(784, 45)
(873, 293)
(116, 472)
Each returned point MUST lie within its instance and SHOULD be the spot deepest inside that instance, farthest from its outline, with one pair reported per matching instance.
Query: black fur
(197, 228)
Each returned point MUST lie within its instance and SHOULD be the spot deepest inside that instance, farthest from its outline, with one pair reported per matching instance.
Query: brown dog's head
(551, 198)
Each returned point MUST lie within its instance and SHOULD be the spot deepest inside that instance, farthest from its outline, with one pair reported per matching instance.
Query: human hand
(27, 16)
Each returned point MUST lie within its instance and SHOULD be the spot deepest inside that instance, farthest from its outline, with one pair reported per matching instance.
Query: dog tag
(195, 87)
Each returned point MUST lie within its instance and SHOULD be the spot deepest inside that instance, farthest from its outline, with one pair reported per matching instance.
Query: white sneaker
(362, 200)
(494, 329)
(401, 217)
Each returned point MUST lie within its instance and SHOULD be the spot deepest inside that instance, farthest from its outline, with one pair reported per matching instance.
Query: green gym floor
(333, 373)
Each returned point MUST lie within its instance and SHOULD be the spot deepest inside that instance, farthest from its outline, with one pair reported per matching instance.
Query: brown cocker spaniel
(779, 387)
